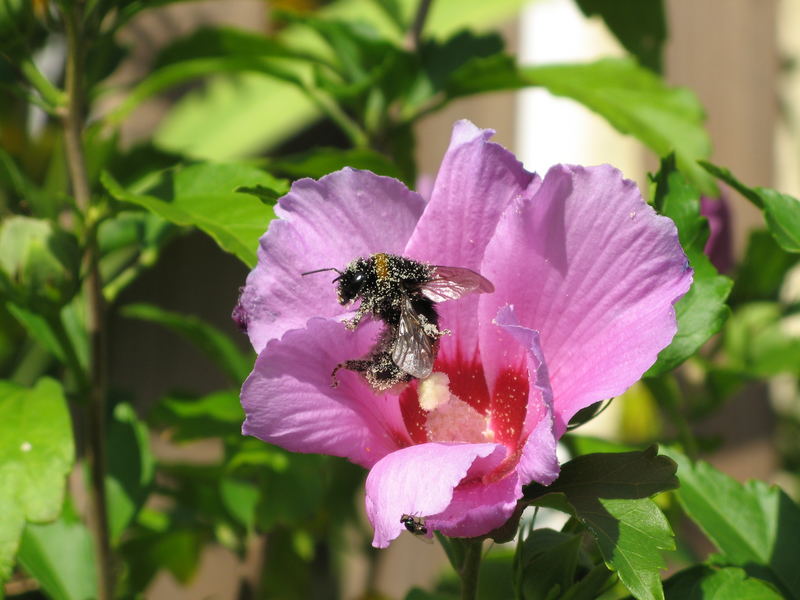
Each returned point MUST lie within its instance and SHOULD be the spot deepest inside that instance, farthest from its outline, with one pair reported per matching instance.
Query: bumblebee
(401, 293)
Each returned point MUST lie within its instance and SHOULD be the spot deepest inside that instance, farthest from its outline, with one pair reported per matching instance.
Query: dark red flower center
(465, 410)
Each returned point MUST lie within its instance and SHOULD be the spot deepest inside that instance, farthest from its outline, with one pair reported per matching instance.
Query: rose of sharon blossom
(585, 276)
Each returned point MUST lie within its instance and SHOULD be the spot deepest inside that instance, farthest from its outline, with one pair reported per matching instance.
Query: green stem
(470, 567)
(73, 123)
(415, 33)
(147, 258)
(335, 113)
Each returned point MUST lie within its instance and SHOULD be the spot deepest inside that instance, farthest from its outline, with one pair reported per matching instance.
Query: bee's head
(351, 283)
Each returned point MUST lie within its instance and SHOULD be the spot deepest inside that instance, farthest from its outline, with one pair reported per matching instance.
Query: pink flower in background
(585, 276)
(719, 246)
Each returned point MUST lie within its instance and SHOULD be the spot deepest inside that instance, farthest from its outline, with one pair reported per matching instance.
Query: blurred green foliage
(217, 163)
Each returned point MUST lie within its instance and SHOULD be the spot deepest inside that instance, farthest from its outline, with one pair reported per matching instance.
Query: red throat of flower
(471, 413)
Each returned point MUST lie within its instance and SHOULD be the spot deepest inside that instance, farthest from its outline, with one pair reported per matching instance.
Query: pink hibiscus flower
(585, 276)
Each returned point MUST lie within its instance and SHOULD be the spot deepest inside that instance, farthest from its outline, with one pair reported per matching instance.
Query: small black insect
(402, 293)
(415, 525)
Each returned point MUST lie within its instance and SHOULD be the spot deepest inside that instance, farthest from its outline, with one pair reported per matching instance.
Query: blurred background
(751, 103)
(743, 69)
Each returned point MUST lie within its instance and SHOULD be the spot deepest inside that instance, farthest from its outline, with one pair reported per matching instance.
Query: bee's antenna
(320, 271)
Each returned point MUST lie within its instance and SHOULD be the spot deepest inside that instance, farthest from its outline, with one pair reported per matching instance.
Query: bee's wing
(424, 537)
(450, 283)
(413, 349)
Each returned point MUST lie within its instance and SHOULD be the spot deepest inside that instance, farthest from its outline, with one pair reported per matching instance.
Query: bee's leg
(351, 324)
(359, 366)
(431, 329)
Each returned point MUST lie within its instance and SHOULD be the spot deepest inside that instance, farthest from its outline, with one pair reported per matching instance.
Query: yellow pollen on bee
(381, 266)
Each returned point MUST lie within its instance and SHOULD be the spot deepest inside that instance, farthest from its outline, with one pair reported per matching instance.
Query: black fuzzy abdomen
(422, 305)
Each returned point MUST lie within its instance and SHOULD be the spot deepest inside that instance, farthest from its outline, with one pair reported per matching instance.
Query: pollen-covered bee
(402, 293)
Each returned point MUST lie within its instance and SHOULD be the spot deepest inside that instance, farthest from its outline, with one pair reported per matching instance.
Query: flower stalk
(415, 33)
(95, 389)
(470, 568)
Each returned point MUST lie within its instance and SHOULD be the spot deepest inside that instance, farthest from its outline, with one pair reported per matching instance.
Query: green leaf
(781, 211)
(631, 98)
(416, 593)
(267, 195)
(207, 338)
(761, 273)
(36, 454)
(176, 548)
(639, 25)
(38, 262)
(174, 74)
(39, 329)
(131, 468)
(609, 494)
(321, 161)
(17, 183)
(758, 343)
(448, 17)
(241, 499)
(591, 586)
(224, 41)
(130, 243)
(582, 444)
(216, 415)
(354, 46)
(440, 61)
(204, 196)
(754, 525)
(702, 582)
(60, 556)
(702, 311)
(225, 119)
(637, 102)
(546, 564)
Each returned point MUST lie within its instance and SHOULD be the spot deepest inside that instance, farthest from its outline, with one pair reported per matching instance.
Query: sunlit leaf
(753, 525)
(60, 556)
(36, 454)
(610, 495)
(131, 468)
(204, 196)
(702, 311)
(702, 582)
(639, 25)
(781, 211)
(216, 415)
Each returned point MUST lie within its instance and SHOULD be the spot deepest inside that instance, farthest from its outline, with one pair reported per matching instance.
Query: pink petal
(596, 272)
(477, 508)
(289, 401)
(419, 481)
(325, 223)
(475, 183)
(538, 461)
